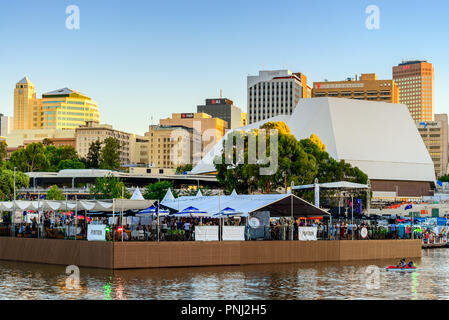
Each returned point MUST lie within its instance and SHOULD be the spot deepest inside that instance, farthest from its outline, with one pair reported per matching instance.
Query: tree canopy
(110, 154)
(3, 151)
(109, 187)
(184, 168)
(7, 183)
(157, 190)
(298, 161)
(93, 156)
(55, 194)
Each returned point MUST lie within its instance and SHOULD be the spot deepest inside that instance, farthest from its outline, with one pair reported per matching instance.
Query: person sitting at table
(21, 229)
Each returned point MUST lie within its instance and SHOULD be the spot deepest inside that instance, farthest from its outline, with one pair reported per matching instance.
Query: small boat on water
(396, 268)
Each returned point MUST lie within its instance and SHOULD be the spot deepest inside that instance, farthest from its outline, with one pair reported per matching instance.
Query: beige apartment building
(20, 138)
(93, 131)
(368, 87)
(172, 146)
(435, 137)
(139, 150)
(211, 129)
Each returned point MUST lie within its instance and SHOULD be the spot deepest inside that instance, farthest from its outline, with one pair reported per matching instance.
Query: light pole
(14, 211)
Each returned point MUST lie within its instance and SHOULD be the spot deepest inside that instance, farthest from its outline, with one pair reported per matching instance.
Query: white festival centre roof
(379, 138)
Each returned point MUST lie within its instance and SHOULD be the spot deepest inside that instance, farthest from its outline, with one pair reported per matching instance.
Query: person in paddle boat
(402, 264)
(411, 264)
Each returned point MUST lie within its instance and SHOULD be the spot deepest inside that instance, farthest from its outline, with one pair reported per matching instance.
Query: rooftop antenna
(220, 93)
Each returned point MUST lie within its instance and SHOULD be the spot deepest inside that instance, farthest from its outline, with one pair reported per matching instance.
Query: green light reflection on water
(107, 291)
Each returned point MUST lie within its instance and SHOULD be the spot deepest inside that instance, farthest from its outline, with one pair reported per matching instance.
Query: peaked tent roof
(168, 196)
(137, 195)
(233, 193)
(199, 194)
(379, 138)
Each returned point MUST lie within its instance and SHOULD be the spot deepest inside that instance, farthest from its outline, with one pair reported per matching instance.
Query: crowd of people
(172, 228)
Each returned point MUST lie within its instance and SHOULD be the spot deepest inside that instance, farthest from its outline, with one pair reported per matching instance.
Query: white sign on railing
(307, 233)
(206, 233)
(234, 233)
(96, 232)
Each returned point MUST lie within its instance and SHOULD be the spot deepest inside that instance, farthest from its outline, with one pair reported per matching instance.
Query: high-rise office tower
(415, 81)
(224, 109)
(275, 92)
(27, 107)
(59, 109)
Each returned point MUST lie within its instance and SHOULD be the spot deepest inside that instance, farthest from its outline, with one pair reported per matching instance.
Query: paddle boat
(396, 268)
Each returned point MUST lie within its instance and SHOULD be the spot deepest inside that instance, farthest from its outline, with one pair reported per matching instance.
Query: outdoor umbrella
(152, 210)
(227, 212)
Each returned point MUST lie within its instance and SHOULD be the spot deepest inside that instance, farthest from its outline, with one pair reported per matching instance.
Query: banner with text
(206, 233)
(307, 233)
(234, 233)
(96, 232)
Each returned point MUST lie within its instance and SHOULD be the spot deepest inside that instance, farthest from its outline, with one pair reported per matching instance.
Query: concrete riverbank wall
(132, 255)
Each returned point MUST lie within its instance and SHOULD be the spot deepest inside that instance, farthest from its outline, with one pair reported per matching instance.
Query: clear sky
(140, 59)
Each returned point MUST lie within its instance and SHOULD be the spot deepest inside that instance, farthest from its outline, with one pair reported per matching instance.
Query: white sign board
(96, 232)
(232, 233)
(307, 233)
(206, 233)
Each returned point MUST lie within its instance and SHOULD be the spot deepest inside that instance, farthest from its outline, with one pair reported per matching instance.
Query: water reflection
(347, 280)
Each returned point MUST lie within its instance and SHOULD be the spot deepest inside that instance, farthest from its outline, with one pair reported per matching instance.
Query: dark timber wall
(131, 255)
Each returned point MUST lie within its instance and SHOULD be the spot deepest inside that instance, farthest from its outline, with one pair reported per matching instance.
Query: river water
(349, 280)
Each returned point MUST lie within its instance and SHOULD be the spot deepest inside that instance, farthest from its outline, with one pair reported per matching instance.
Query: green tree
(110, 154)
(55, 194)
(299, 162)
(109, 187)
(30, 159)
(7, 183)
(444, 178)
(70, 164)
(57, 154)
(47, 142)
(93, 156)
(157, 190)
(3, 151)
(184, 168)
(293, 162)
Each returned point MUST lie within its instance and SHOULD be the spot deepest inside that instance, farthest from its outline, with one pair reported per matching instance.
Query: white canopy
(277, 204)
(88, 205)
(334, 185)
(137, 195)
(168, 196)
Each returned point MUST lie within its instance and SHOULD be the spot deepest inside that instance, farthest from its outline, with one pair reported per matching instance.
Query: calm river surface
(285, 281)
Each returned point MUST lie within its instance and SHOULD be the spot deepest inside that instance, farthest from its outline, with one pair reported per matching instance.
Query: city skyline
(138, 64)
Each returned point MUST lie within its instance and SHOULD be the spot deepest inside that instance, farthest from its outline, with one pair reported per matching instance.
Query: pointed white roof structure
(199, 194)
(233, 193)
(379, 138)
(25, 80)
(137, 195)
(168, 196)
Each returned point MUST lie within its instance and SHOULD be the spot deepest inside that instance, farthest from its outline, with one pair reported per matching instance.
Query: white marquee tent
(80, 205)
(277, 204)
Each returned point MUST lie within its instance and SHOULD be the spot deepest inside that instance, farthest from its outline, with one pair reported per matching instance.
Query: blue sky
(140, 59)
